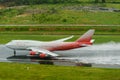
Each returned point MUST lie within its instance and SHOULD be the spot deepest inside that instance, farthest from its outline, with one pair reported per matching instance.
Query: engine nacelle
(42, 55)
(32, 53)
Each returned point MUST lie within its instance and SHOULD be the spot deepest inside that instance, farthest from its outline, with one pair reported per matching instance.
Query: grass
(13, 71)
(45, 33)
(4, 38)
(106, 38)
(65, 17)
(58, 29)
(59, 14)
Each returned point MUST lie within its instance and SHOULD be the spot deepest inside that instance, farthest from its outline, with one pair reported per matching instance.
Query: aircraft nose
(8, 44)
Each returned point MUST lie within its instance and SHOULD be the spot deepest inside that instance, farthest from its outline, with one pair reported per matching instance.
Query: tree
(96, 1)
(103, 1)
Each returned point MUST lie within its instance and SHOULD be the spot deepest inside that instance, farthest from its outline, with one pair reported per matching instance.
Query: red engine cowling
(32, 53)
(42, 55)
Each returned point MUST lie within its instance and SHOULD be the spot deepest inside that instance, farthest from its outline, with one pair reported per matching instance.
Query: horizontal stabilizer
(91, 41)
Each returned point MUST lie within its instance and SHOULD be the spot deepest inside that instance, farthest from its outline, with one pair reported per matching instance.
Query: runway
(99, 55)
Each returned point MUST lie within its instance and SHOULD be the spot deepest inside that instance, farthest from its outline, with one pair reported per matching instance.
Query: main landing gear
(14, 53)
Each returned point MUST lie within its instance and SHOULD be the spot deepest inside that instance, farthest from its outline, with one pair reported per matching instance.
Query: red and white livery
(45, 49)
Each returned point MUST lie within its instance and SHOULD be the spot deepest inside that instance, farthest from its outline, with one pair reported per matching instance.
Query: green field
(103, 34)
(99, 38)
(16, 71)
(70, 13)
(59, 29)
(65, 14)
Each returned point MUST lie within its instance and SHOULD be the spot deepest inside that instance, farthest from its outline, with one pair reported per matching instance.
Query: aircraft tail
(87, 37)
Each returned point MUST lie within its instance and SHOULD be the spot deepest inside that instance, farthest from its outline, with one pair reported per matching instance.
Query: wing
(63, 39)
(42, 53)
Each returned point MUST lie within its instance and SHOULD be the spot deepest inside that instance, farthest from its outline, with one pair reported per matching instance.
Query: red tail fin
(86, 37)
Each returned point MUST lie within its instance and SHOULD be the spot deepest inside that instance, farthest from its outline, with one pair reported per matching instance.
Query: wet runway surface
(99, 55)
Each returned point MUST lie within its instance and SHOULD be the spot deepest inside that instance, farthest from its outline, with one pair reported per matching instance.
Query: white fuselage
(45, 49)
(51, 46)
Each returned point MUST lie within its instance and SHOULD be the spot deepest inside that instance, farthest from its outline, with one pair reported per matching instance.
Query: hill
(67, 13)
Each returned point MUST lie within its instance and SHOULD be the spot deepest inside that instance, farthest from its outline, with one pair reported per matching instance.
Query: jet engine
(32, 53)
(38, 54)
(42, 55)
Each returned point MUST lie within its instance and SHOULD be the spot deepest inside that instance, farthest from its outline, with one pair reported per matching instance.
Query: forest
(32, 2)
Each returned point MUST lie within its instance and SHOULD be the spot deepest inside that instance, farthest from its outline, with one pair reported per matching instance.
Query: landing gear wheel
(14, 53)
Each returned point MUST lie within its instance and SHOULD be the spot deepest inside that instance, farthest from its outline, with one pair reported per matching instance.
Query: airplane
(46, 49)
